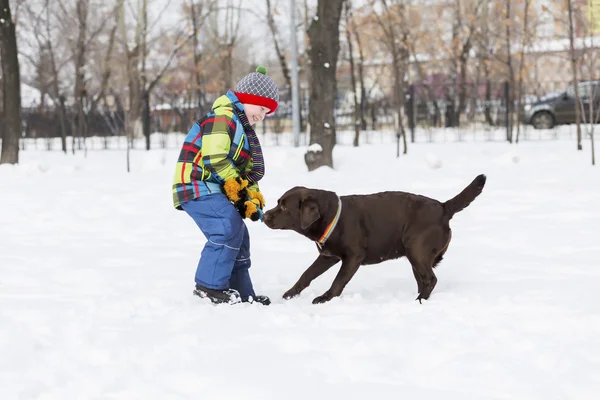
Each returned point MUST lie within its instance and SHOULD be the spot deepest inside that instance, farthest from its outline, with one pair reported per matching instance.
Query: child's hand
(253, 210)
(249, 203)
(257, 198)
(235, 189)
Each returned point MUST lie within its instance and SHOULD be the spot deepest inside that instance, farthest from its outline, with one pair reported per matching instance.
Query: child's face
(255, 113)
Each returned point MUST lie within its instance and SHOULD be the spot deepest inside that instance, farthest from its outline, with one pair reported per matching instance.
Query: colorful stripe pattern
(331, 225)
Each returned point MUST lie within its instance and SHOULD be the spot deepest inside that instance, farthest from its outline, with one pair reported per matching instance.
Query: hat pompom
(261, 70)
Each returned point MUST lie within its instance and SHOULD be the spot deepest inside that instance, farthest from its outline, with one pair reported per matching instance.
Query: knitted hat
(259, 89)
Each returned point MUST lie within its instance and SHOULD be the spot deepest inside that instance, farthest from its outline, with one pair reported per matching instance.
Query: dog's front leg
(318, 267)
(349, 267)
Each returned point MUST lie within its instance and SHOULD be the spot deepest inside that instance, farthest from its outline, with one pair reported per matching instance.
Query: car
(559, 108)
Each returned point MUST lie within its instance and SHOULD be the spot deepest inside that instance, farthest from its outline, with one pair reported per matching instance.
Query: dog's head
(298, 209)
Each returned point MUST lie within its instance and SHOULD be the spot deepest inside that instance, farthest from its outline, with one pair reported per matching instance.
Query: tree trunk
(462, 95)
(197, 58)
(324, 37)
(280, 54)
(574, 71)
(146, 117)
(11, 87)
(511, 75)
(56, 95)
(107, 70)
(361, 79)
(522, 64)
(488, 100)
(356, 122)
(80, 91)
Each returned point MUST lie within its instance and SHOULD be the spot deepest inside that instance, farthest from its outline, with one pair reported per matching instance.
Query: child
(216, 183)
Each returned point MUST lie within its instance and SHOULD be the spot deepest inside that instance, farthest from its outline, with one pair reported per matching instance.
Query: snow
(433, 161)
(314, 148)
(96, 275)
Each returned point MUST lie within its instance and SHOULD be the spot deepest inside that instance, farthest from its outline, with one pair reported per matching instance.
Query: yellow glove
(257, 198)
(235, 189)
(248, 202)
(252, 210)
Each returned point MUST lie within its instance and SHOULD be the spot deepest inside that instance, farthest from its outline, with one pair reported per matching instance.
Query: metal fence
(469, 111)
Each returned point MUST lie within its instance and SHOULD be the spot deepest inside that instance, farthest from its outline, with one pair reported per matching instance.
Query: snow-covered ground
(97, 267)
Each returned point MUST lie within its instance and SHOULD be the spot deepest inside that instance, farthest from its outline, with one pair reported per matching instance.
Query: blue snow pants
(225, 259)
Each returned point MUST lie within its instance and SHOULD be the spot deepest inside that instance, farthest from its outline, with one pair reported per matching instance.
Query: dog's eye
(283, 208)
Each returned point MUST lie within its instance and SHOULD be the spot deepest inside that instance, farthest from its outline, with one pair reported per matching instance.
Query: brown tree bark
(80, 91)
(11, 86)
(511, 74)
(574, 70)
(522, 63)
(324, 34)
(356, 121)
(361, 79)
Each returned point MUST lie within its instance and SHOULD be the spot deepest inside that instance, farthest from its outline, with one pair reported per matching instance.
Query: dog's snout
(267, 217)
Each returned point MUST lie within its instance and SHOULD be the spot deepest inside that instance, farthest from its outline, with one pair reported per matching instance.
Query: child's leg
(224, 230)
(240, 277)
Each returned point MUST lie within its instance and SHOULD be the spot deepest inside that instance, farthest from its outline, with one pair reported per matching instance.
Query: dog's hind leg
(349, 267)
(318, 267)
(424, 253)
(424, 275)
(417, 278)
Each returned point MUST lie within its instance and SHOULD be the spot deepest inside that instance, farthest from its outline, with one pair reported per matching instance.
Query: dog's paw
(324, 298)
(291, 293)
(421, 297)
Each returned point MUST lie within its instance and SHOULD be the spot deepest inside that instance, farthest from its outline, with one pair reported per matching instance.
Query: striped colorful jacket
(215, 149)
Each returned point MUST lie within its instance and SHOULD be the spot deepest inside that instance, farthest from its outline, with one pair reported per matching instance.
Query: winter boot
(228, 296)
(264, 300)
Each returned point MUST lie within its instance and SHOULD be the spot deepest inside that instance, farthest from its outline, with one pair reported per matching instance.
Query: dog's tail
(464, 198)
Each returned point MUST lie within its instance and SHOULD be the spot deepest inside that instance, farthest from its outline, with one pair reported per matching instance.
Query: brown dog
(368, 229)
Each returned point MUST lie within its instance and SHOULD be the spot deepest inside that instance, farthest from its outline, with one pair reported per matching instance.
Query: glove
(252, 210)
(248, 202)
(236, 192)
(235, 189)
(256, 197)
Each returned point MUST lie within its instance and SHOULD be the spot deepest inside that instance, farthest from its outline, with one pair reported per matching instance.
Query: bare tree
(199, 11)
(140, 81)
(574, 71)
(524, 43)
(11, 86)
(357, 118)
(79, 39)
(361, 76)
(226, 35)
(589, 99)
(511, 72)
(483, 50)
(392, 19)
(80, 92)
(280, 54)
(107, 69)
(38, 22)
(590, 110)
(464, 29)
(324, 34)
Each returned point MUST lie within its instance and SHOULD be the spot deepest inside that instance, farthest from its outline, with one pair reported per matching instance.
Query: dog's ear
(309, 212)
